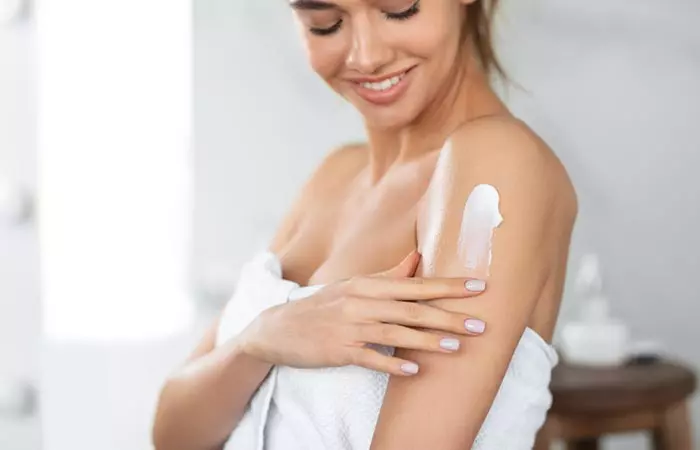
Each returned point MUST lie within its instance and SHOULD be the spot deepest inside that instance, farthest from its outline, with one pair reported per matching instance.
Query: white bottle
(595, 339)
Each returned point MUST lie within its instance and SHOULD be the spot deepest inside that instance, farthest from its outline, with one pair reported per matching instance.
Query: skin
(366, 208)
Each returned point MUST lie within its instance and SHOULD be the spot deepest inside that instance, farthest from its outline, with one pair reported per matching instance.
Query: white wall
(612, 87)
(19, 291)
(114, 180)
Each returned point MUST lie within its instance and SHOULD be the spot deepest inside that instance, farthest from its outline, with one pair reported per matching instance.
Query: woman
(481, 206)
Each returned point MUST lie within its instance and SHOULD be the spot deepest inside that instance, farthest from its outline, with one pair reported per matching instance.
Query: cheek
(326, 56)
(434, 38)
(429, 43)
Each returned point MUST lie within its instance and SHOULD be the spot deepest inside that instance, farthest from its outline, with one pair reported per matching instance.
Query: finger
(371, 359)
(415, 289)
(403, 337)
(418, 315)
(406, 268)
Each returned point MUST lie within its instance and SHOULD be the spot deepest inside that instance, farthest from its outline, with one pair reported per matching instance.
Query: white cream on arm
(480, 218)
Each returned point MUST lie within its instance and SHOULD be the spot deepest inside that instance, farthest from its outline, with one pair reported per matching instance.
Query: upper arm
(537, 206)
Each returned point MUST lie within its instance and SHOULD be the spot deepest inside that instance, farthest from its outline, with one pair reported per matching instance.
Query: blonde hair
(478, 26)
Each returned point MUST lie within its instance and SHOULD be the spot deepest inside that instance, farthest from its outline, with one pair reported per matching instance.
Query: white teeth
(383, 85)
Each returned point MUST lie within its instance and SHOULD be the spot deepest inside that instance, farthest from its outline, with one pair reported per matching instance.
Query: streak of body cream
(480, 218)
(436, 208)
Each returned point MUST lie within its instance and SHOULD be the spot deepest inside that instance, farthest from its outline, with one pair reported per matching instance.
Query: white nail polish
(409, 368)
(449, 344)
(475, 285)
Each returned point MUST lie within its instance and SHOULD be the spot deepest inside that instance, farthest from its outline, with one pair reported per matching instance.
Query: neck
(467, 97)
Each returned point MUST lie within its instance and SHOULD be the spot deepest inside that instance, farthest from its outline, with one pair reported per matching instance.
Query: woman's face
(389, 58)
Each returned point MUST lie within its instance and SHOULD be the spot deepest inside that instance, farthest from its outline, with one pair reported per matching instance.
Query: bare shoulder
(534, 189)
(507, 152)
(331, 175)
(334, 174)
(342, 162)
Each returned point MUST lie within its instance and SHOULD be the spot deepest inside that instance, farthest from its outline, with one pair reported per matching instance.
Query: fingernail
(475, 285)
(475, 326)
(409, 368)
(449, 344)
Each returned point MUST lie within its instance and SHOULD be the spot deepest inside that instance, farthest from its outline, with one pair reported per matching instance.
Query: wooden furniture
(592, 402)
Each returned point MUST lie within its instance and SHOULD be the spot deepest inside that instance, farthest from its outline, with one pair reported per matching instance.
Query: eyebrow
(312, 5)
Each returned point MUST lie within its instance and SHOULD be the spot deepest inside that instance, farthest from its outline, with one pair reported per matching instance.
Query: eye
(406, 14)
(326, 31)
(402, 15)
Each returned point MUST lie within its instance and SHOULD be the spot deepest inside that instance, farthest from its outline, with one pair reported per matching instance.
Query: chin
(387, 120)
(394, 116)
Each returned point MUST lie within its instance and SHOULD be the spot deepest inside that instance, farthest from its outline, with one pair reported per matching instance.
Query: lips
(381, 83)
(383, 91)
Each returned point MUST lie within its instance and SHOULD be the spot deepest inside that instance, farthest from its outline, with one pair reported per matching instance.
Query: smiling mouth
(386, 84)
(383, 91)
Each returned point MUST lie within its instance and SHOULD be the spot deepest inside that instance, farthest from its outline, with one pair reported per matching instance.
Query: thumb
(406, 268)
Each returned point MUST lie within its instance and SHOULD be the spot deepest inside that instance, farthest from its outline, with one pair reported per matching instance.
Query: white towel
(337, 408)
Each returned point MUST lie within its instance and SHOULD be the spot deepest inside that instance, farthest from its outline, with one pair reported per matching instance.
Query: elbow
(166, 433)
(173, 427)
(161, 436)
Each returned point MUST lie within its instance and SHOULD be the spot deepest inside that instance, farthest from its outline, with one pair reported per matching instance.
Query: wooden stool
(592, 402)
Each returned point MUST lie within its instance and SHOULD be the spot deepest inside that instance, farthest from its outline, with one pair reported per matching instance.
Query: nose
(368, 52)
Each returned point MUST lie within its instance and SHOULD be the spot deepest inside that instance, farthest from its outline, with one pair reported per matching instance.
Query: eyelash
(403, 15)
(406, 14)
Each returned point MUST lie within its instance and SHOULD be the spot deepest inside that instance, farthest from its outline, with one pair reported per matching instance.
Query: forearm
(203, 402)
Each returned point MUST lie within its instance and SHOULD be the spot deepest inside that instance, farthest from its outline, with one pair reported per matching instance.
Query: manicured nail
(449, 344)
(475, 285)
(475, 326)
(409, 368)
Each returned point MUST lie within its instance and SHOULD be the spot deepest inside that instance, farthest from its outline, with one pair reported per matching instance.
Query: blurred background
(149, 147)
